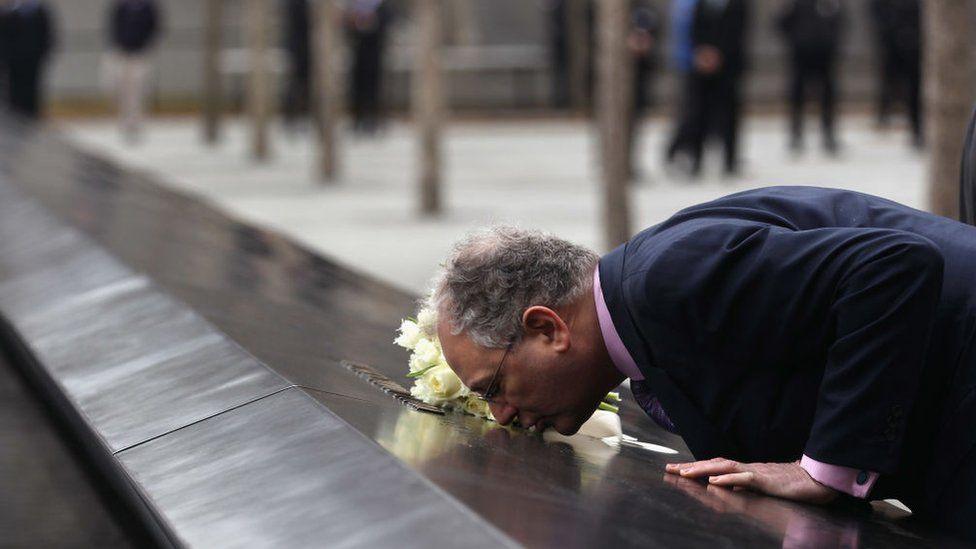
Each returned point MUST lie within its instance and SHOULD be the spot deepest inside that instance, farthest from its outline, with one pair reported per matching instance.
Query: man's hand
(707, 59)
(784, 480)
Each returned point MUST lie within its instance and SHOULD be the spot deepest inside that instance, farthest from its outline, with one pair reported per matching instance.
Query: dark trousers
(902, 75)
(808, 73)
(24, 97)
(910, 72)
(714, 111)
(887, 70)
(297, 98)
(681, 133)
(365, 84)
(559, 64)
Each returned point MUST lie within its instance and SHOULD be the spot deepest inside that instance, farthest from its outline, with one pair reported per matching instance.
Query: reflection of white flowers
(477, 407)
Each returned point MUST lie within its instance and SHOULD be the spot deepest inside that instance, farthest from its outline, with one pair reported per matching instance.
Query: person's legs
(680, 135)
(728, 106)
(827, 76)
(797, 100)
(371, 81)
(699, 120)
(132, 91)
(887, 79)
(914, 84)
(357, 82)
(25, 88)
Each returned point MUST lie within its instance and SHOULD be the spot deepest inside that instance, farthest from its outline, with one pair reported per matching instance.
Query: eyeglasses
(492, 391)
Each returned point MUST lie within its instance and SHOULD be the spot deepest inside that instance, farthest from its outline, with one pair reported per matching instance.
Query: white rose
(427, 351)
(410, 335)
(421, 390)
(417, 363)
(444, 384)
(427, 320)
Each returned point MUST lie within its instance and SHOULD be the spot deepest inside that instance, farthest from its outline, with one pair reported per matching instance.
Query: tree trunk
(428, 102)
(259, 88)
(950, 83)
(212, 92)
(614, 98)
(327, 86)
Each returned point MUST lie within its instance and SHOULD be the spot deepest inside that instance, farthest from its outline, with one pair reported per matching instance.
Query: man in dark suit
(813, 29)
(367, 26)
(805, 342)
(28, 38)
(133, 29)
(298, 46)
(718, 35)
(899, 31)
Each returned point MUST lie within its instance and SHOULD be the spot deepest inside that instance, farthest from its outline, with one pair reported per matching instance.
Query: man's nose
(504, 413)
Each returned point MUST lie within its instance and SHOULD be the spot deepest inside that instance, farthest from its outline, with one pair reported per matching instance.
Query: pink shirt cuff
(855, 482)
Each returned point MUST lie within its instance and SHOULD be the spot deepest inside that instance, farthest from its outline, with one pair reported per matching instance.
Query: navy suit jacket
(796, 320)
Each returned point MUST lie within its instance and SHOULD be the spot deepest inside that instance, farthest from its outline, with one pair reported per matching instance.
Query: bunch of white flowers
(434, 381)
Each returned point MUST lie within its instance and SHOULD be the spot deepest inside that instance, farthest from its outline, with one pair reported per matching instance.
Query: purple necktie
(651, 405)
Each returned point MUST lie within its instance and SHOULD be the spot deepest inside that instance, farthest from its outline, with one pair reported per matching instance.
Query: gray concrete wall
(515, 26)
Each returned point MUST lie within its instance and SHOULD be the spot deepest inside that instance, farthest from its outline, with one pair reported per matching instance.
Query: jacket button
(862, 477)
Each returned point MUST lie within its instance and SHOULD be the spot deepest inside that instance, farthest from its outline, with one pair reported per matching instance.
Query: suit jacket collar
(702, 437)
(611, 275)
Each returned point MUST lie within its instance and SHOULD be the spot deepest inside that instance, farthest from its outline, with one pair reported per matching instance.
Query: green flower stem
(609, 407)
(419, 373)
(612, 397)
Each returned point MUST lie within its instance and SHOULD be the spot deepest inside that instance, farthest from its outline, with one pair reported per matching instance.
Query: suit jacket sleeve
(870, 294)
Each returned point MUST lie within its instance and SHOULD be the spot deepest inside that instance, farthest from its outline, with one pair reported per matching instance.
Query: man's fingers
(711, 467)
(745, 479)
(678, 467)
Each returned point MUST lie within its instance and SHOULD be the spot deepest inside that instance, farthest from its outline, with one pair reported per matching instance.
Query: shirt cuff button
(862, 477)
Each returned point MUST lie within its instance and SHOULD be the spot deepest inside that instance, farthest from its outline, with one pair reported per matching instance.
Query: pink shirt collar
(615, 346)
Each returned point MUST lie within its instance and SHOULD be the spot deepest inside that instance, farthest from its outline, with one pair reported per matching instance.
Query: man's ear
(543, 321)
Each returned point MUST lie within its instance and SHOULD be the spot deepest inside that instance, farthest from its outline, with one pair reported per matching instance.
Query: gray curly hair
(494, 274)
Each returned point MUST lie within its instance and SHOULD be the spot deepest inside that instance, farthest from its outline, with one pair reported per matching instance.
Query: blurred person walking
(557, 15)
(27, 36)
(898, 24)
(813, 32)
(885, 62)
(643, 44)
(134, 27)
(367, 23)
(719, 44)
(570, 20)
(297, 44)
(682, 61)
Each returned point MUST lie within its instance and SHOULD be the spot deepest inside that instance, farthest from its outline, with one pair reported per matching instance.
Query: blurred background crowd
(662, 84)
(694, 60)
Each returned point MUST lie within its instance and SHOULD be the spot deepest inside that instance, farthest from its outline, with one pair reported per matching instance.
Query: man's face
(542, 383)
